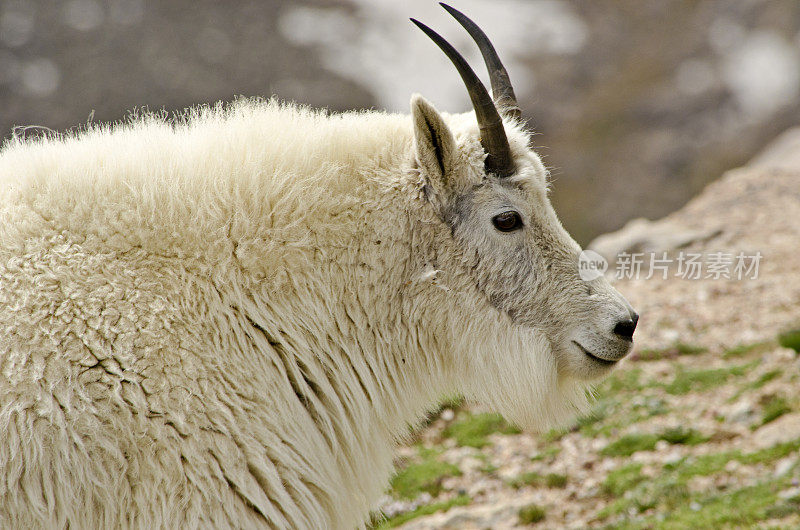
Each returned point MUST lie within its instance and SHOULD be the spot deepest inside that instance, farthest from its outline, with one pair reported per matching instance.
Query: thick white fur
(229, 321)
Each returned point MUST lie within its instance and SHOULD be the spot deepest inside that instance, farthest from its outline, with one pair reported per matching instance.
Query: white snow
(374, 44)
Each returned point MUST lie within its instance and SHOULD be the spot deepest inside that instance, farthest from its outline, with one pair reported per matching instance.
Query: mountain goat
(228, 320)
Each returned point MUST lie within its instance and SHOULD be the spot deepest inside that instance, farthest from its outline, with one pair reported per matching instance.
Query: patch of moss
(622, 479)
(664, 494)
(530, 514)
(548, 453)
(453, 402)
(473, 429)
(775, 407)
(686, 381)
(531, 478)
(622, 381)
(587, 424)
(790, 339)
(427, 509)
(783, 509)
(683, 436)
(739, 508)
(676, 350)
(555, 480)
(711, 463)
(423, 476)
(746, 349)
(665, 497)
(655, 407)
(771, 454)
(766, 378)
(702, 465)
(629, 444)
(489, 469)
(554, 435)
(758, 383)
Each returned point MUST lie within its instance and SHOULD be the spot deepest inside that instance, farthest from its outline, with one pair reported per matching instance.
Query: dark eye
(507, 221)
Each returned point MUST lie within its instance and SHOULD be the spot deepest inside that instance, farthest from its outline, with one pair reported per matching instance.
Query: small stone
(673, 456)
(784, 466)
(784, 429)
(741, 412)
(448, 415)
(424, 498)
(732, 466)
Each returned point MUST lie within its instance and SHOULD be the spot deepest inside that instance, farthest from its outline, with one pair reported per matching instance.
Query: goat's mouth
(600, 360)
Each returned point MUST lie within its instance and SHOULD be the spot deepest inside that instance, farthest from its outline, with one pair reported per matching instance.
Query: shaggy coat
(229, 319)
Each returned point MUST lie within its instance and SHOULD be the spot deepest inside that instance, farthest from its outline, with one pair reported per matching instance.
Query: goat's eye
(507, 221)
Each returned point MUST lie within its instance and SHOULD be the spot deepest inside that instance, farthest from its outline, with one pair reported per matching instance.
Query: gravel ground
(700, 427)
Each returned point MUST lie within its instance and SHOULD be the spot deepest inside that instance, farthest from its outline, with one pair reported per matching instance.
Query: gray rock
(784, 429)
(782, 154)
(643, 235)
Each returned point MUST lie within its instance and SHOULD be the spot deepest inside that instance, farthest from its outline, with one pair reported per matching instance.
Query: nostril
(625, 328)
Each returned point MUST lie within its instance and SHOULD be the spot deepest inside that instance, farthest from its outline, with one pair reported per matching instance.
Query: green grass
(645, 495)
(453, 402)
(530, 514)
(589, 423)
(766, 378)
(628, 380)
(629, 444)
(423, 476)
(472, 430)
(427, 509)
(622, 479)
(667, 493)
(548, 453)
(739, 508)
(687, 380)
(783, 509)
(715, 462)
(676, 350)
(775, 407)
(555, 480)
(762, 380)
(743, 350)
(683, 436)
(790, 339)
(551, 480)
(529, 478)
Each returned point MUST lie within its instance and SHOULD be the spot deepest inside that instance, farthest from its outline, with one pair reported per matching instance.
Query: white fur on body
(229, 321)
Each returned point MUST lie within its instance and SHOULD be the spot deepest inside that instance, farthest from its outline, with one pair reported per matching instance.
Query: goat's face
(513, 249)
(489, 189)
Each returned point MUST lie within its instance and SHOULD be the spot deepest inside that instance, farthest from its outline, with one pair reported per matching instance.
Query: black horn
(493, 136)
(502, 90)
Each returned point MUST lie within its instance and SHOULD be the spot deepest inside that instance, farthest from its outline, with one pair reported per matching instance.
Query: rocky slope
(700, 427)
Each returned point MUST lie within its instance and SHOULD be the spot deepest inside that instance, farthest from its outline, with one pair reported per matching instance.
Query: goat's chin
(519, 377)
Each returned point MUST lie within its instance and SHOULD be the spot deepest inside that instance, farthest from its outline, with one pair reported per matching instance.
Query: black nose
(625, 328)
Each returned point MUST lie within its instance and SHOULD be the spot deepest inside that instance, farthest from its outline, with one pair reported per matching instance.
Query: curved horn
(493, 136)
(502, 90)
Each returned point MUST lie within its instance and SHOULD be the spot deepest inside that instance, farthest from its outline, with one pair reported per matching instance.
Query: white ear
(433, 141)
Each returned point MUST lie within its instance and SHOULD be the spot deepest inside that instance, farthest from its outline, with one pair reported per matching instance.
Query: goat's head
(490, 188)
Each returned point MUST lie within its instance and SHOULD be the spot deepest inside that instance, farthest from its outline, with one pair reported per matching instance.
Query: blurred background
(637, 105)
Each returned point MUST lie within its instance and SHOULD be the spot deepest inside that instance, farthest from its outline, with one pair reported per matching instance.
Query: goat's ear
(434, 143)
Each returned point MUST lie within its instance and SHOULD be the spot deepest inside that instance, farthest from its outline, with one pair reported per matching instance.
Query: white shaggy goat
(229, 320)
